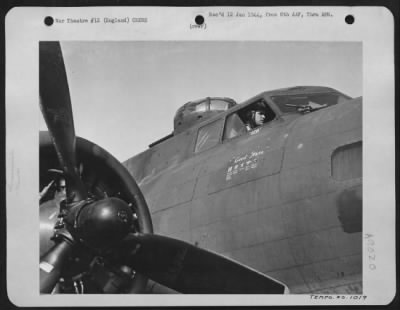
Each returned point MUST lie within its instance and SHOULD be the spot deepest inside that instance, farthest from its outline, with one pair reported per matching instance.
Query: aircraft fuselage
(285, 198)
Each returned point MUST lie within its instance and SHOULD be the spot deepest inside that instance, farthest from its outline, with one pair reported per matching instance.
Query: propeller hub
(102, 223)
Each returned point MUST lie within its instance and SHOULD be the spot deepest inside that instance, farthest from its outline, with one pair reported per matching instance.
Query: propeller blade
(189, 269)
(56, 108)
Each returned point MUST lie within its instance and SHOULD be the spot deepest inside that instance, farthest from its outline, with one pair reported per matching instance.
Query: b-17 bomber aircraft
(261, 197)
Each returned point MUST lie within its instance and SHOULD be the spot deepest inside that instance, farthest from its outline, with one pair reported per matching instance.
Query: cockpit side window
(208, 136)
(250, 117)
(234, 126)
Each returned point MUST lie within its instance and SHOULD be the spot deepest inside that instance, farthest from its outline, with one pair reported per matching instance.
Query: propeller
(189, 269)
(55, 104)
(105, 225)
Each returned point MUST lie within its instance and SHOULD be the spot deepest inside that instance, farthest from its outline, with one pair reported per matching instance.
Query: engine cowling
(106, 179)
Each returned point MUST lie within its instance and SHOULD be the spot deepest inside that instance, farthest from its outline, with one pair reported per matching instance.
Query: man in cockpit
(255, 118)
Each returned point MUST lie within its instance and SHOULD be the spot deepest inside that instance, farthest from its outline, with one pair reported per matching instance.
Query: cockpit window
(307, 102)
(252, 116)
(234, 126)
(208, 136)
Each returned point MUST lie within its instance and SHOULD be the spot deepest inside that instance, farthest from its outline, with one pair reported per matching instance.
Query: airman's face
(259, 118)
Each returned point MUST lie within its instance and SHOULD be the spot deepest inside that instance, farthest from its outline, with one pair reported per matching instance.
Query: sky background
(125, 94)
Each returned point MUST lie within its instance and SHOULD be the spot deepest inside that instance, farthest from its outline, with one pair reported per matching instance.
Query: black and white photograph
(272, 181)
(204, 164)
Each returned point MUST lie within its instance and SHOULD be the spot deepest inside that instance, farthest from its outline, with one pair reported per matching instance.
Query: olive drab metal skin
(284, 198)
